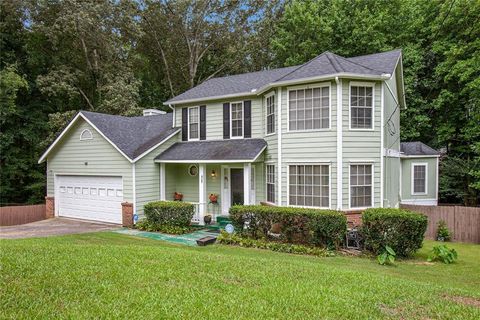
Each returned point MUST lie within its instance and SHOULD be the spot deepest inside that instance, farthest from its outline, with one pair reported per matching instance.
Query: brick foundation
(127, 214)
(49, 207)
(354, 218)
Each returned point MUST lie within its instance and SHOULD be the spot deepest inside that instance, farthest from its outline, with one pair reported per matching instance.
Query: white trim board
(412, 184)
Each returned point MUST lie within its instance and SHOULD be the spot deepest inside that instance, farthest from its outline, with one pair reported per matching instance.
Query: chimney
(152, 112)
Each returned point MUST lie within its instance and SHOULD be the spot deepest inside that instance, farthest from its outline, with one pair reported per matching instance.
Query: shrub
(145, 225)
(237, 240)
(400, 229)
(443, 234)
(442, 253)
(169, 213)
(295, 225)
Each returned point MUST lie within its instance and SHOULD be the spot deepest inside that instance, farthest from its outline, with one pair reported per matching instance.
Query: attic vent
(86, 135)
(152, 112)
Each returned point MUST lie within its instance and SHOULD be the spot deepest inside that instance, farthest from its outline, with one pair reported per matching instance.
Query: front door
(236, 183)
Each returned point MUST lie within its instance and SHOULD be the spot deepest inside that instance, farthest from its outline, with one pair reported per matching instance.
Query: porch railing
(198, 217)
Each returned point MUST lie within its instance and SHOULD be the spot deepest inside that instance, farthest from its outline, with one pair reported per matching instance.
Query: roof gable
(131, 136)
(417, 148)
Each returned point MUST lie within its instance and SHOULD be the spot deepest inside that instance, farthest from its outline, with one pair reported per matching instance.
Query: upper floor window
(193, 123)
(86, 135)
(270, 113)
(361, 182)
(309, 109)
(309, 185)
(361, 106)
(419, 178)
(236, 119)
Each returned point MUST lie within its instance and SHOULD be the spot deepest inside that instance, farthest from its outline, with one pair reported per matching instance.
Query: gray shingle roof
(325, 64)
(133, 135)
(211, 150)
(417, 148)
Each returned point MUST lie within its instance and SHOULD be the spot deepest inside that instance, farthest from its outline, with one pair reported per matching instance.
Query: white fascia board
(45, 154)
(157, 145)
(233, 95)
(258, 155)
(205, 161)
(419, 156)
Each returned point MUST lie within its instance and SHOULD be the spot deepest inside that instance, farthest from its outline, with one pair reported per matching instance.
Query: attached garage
(90, 197)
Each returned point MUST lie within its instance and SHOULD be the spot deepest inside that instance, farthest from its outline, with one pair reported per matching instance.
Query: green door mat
(189, 239)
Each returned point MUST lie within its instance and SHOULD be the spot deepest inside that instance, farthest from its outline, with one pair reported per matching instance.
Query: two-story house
(324, 134)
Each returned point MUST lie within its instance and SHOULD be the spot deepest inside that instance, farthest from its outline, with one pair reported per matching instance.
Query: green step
(223, 220)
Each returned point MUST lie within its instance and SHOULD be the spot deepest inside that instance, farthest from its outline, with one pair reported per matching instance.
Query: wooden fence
(463, 222)
(14, 215)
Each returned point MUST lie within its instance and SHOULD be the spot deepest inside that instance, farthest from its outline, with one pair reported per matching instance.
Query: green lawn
(107, 275)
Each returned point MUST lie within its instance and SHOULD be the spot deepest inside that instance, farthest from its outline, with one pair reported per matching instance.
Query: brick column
(49, 207)
(354, 218)
(127, 214)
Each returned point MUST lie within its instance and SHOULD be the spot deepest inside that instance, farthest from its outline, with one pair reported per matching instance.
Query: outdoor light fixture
(213, 174)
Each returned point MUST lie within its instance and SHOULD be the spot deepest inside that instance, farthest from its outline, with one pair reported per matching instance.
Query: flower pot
(213, 198)
(207, 219)
(178, 196)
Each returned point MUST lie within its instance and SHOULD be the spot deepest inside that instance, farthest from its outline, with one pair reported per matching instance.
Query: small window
(119, 193)
(93, 191)
(102, 192)
(110, 192)
(309, 109)
(193, 170)
(236, 119)
(78, 190)
(270, 113)
(361, 107)
(62, 189)
(271, 183)
(70, 190)
(193, 123)
(86, 135)
(309, 185)
(419, 178)
(85, 191)
(361, 185)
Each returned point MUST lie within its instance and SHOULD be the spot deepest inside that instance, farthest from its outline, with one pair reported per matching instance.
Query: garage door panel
(90, 197)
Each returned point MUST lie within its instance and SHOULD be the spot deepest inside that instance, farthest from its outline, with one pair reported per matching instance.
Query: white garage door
(90, 197)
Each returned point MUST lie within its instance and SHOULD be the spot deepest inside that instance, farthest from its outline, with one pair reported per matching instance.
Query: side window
(419, 178)
(361, 107)
(361, 185)
(270, 183)
(193, 123)
(270, 114)
(236, 119)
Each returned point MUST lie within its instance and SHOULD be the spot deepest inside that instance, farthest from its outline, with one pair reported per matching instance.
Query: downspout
(279, 147)
(339, 144)
(383, 158)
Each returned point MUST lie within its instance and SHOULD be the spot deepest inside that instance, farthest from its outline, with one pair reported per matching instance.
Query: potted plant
(207, 219)
(213, 198)
(178, 196)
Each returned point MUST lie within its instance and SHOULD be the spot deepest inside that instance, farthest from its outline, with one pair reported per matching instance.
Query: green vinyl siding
(361, 146)
(310, 146)
(70, 156)
(147, 176)
(407, 178)
(391, 183)
(214, 117)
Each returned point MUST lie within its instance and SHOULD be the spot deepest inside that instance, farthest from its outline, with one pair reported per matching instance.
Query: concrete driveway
(53, 227)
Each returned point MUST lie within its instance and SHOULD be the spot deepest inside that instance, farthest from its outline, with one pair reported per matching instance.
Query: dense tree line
(61, 56)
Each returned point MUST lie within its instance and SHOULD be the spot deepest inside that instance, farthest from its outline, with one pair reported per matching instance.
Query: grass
(107, 275)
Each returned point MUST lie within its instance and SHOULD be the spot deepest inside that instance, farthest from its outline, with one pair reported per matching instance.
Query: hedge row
(293, 225)
(401, 229)
(169, 213)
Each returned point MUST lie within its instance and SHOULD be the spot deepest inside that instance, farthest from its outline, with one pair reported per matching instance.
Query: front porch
(230, 184)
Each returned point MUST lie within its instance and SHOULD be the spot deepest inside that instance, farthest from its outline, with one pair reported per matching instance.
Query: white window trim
(87, 138)
(271, 94)
(274, 183)
(329, 183)
(361, 84)
(313, 86)
(412, 185)
(243, 120)
(366, 162)
(188, 123)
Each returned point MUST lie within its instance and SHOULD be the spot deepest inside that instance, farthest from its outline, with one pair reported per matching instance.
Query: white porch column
(247, 171)
(162, 182)
(202, 189)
